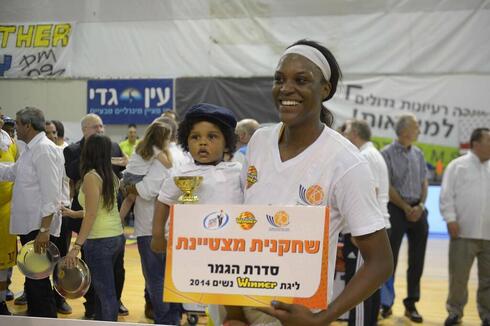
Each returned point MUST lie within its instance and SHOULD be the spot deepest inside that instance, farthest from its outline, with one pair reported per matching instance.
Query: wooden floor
(431, 305)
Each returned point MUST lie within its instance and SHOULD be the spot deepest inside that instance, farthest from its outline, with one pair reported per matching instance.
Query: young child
(154, 145)
(207, 133)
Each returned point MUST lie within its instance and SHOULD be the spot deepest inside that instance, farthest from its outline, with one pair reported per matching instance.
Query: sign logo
(279, 221)
(216, 220)
(246, 220)
(131, 95)
(312, 196)
(251, 176)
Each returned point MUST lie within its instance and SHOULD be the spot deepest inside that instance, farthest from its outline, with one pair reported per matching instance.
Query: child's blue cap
(205, 110)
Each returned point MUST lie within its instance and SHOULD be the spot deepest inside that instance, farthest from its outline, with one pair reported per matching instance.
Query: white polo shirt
(329, 172)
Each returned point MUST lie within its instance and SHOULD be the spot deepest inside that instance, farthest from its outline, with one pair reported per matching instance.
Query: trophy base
(188, 199)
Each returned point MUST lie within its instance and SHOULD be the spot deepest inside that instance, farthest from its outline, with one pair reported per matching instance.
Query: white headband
(313, 55)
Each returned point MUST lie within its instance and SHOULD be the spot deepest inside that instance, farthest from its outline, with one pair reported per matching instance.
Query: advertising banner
(36, 50)
(447, 108)
(247, 255)
(125, 101)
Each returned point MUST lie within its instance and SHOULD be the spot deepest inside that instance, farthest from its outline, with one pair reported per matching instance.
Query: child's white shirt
(139, 166)
(221, 184)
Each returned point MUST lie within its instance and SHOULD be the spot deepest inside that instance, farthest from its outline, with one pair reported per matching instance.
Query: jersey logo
(312, 196)
(251, 176)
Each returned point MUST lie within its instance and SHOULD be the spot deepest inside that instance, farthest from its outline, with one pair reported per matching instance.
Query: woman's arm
(378, 266)
(92, 189)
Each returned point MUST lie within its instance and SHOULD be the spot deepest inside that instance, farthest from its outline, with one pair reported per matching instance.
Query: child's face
(206, 142)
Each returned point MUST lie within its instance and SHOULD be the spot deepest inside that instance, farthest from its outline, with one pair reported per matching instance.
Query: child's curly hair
(186, 125)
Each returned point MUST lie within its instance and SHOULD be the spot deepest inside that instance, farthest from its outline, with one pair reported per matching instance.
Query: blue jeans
(101, 256)
(388, 292)
(153, 266)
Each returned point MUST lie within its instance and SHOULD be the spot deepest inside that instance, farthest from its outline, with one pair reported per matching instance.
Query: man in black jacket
(92, 124)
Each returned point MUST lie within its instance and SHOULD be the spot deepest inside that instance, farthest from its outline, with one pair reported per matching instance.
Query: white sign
(248, 251)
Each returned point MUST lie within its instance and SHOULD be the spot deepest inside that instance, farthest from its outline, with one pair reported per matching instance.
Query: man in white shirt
(359, 134)
(36, 200)
(465, 206)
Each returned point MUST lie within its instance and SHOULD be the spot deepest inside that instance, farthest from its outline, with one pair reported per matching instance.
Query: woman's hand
(71, 257)
(158, 244)
(67, 212)
(120, 161)
(291, 314)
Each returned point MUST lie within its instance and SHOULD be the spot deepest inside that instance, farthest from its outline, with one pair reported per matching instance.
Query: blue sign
(138, 101)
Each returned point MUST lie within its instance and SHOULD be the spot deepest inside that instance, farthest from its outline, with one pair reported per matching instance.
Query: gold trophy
(188, 184)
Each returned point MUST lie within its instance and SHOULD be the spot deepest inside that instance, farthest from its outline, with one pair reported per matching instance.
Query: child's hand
(158, 244)
(164, 158)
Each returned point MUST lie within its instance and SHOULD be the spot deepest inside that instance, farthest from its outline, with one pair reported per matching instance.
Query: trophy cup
(188, 184)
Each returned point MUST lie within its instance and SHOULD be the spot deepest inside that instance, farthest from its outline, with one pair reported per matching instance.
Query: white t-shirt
(329, 172)
(139, 166)
(221, 184)
(5, 140)
(379, 169)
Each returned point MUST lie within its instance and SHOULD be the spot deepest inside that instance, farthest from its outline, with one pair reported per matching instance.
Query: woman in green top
(101, 234)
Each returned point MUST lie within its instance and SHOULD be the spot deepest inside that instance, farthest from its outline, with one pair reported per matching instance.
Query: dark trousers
(365, 313)
(119, 275)
(39, 293)
(417, 233)
(63, 244)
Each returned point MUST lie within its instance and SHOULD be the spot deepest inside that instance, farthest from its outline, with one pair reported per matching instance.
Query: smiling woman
(308, 163)
(312, 80)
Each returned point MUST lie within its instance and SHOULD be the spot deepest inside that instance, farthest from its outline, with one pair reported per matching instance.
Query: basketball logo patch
(251, 176)
(312, 195)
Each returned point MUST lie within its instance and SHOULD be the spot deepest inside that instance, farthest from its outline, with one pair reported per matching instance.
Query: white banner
(33, 50)
(447, 107)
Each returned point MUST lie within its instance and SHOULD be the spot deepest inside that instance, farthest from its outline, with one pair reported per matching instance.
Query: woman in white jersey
(302, 161)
